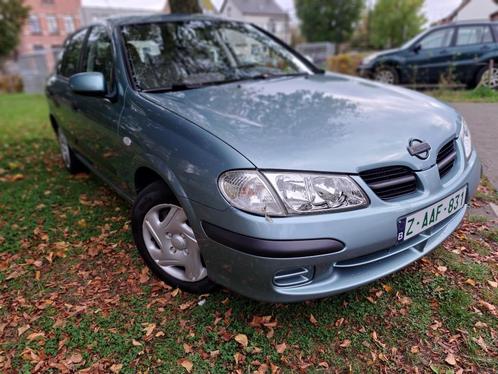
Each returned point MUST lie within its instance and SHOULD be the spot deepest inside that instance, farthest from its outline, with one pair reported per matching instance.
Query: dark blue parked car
(459, 52)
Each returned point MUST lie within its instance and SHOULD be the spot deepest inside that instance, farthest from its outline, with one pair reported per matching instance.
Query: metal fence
(34, 68)
(318, 52)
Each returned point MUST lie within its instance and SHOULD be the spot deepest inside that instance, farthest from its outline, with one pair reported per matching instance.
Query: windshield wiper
(175, 87)
(191, 86)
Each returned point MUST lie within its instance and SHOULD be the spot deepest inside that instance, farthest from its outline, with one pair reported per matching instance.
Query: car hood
(324, 122)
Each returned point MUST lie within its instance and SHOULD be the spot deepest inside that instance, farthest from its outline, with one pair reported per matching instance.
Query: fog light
(294, 276)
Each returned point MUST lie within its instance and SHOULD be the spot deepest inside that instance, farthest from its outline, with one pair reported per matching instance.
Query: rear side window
(474, 35)
(71, 59)
(437, 39)
(99, 56)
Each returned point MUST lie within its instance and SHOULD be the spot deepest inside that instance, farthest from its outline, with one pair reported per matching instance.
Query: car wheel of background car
(166, 241)
(386, 74)
(488, 77)
(72, 164)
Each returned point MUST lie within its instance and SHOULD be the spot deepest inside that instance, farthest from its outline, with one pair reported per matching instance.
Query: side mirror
(92, 83)
(416, 48)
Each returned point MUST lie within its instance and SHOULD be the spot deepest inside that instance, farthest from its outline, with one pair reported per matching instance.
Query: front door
(99, 127)
(430, 57)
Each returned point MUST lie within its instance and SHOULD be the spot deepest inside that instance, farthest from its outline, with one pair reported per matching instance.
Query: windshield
(195, 53)
(412, 40)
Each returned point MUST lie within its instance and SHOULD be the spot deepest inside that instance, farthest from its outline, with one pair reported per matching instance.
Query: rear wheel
(166, 240)
(72, 164)
(387, 75)
(488, 77)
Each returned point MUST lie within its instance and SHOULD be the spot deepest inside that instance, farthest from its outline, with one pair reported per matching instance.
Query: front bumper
(368, 236)
(365, 71)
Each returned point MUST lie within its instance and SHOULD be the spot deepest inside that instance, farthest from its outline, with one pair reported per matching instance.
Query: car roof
(157, 18)
(467, 23)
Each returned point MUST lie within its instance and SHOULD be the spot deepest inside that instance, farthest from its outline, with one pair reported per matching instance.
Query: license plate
(424, 219)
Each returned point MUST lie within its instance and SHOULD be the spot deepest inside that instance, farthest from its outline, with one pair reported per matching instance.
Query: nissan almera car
(250, 168)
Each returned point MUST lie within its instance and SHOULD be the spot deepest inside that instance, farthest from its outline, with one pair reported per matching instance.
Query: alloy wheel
(385, 76)
(171, 243)
(490, 78)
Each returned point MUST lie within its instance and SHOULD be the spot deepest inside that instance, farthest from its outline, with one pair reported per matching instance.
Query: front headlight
(367, 60)
(248, 191)
(465, 137)
(292, 193)
(304, 193)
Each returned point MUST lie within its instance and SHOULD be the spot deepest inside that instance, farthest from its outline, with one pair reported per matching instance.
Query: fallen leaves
(345, 343)
(281, 348)
(450, 359)
(187, 365)
(242, 340)
(313, 320)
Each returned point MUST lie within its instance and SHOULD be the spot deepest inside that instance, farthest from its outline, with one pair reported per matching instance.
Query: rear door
(100, 114)
(472, 42)
(65, 101)
(431, 56)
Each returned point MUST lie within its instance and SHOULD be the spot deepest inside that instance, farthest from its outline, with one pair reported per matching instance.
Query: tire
(487, 78)
(166, 241)
(386, 75)
(71, 162)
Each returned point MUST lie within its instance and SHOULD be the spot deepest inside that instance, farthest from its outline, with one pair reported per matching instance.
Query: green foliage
(393, 22)
(13, 14)
(328, 21)
(185, 6)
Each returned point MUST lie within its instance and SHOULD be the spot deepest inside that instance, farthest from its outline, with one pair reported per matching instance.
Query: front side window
(71, 59)
(99, 54)
(34, 24)
(165, 55)
(53, 27)
(437, 39)
(474, 35)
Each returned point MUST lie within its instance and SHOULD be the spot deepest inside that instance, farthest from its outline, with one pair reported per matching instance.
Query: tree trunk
(185, 6)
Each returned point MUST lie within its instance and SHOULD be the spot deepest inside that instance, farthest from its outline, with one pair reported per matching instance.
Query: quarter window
(437, 39)
(474, 35)
(71, 58)
(99, 54)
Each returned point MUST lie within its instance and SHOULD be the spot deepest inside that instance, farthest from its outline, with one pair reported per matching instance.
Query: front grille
(446, 158)
(390, 182)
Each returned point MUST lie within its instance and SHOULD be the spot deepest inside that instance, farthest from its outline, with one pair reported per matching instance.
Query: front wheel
(488, 77)
(387, 75)
(166, 240)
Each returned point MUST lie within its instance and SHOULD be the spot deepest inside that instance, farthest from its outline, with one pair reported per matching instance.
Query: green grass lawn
(74, 293)
(478, 95)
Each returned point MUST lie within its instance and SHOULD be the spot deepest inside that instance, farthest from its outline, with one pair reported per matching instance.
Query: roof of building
(266, 7)
(455, 13)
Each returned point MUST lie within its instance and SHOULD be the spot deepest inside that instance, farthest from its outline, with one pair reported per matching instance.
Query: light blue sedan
(250, 168)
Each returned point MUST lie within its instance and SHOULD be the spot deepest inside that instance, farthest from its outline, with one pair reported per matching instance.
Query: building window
(38, 47)
(272, 27)
(48, 2)
(53, 27)
(34, 24)
(69, 24)
(229, 11)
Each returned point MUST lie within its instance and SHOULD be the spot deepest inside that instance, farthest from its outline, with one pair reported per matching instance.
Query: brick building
(49, 22)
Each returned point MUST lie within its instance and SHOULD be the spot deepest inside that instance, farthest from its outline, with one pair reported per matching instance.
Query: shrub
(11, 83)
(345, 63)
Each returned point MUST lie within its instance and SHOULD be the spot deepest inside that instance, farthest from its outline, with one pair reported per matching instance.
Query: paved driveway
(483, 123)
